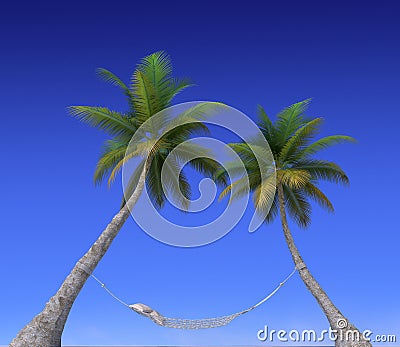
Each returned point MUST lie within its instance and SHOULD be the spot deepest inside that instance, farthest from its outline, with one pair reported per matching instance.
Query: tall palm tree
(151, 90)
(298, 173)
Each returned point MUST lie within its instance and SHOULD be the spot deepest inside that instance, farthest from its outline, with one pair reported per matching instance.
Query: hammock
(180, 323)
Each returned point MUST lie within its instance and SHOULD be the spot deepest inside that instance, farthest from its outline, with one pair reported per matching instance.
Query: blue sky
(342, 54)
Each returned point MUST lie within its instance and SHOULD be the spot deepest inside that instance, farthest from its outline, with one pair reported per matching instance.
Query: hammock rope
(180, 323)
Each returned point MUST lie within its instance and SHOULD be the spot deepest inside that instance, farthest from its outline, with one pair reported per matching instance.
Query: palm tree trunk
(45, 329)
(345, 331)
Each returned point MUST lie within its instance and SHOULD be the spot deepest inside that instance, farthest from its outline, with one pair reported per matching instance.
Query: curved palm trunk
(45, 329)
(346, 336)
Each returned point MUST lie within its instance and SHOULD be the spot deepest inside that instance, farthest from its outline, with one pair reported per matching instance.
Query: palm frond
(197, 113)
(299, 139)
(113, 152)
(289, 120)
(209, 168)
(256, 162)
(262, 152)
(144, 149)
(183, 132)
(114, 123)
(117, 168)
(293, 178)
(236, 189)
(176, 183)
(186, 191)
(143, 99)
(186, 151)
(177, 86)
(264, 194)
(154, 181)
(245, 153)
(323, 143)
(297, 206)
(323, 170)
(109, 77)
(157, 68)
(265, 124)
(318, 196)
(234, 168)
(273, 211)
(254, 155)
(227, 190)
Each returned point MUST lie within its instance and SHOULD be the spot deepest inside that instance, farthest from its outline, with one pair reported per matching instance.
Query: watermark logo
(148, 144)
(341, 323)
(343, 332)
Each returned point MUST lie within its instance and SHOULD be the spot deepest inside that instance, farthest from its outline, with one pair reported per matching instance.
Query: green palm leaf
(177, 86)
(195, 114)
(176, 183)
(293, 178)
(299, 139)
(114, 123)
(323, 170)
(298, 207)
(265, 124)
(264, 194)
(113, 152)
(317, 195)
(153, 182)
(157, 68)
(109, 77)
(324, 143)
(209, 168)
(289, 120)
(143, 98)
(273, 211)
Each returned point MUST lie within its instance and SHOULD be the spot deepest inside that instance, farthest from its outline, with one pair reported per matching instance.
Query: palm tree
(298, 173)
(151, 90)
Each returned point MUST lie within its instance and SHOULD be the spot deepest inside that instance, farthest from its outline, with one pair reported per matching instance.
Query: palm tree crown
(151, 89)
(291, 140)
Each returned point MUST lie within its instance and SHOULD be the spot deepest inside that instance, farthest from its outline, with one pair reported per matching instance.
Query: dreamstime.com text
(309, 335)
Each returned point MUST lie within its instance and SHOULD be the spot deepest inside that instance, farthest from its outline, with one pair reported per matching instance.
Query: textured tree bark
(346, 332)
(45, 329)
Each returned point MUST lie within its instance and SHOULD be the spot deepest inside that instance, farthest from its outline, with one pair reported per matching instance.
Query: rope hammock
(180, 323)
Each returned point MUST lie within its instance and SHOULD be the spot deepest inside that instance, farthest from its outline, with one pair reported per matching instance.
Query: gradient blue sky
(345, 55)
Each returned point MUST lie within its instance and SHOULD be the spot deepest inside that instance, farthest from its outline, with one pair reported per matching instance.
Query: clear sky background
(345, 55)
